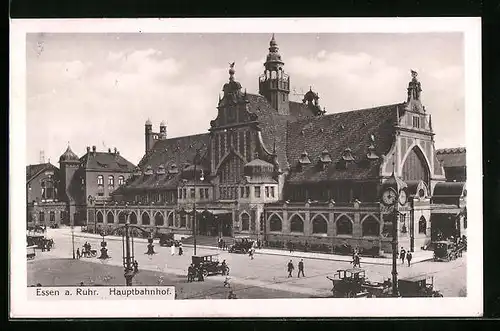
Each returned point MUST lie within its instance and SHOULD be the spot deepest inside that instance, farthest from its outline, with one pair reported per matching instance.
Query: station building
(280, 171)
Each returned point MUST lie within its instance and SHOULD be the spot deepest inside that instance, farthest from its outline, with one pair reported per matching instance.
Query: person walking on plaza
(250, 253)
(290, 268)
(172, 250)
(408, 258)
(301, 268)
(78, 253)
(402, 255)
(180, 249)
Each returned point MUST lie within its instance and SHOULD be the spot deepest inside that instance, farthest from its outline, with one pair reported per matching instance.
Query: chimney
(93, 150)
(116, 150)
(88, 149)
(109, 150)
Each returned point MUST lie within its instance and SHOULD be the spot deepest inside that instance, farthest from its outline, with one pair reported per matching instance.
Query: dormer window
(325, 157)
(173, 169)
(304, 159)
(149, 171)
(161, 170)
(347, 155)
(371, 153)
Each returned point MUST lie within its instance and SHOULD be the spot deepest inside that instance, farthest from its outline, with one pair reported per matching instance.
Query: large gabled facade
(285, 171)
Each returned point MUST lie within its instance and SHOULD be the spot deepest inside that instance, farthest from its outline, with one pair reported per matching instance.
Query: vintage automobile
(209, 264)
(241, 244)
(446, 250)
(30, 255)
(35, 240)
(167, 239)
(349, 283)
(417, 286)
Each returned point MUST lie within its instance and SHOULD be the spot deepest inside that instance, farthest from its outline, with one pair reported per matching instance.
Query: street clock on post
(389, 197)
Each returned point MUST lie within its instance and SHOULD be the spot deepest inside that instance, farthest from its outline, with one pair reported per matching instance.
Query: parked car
(209, 264)
(167, 239)
(418, 286)
(241, 244)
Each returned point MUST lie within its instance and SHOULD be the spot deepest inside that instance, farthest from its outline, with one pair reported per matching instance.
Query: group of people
(221, 244)
(405, 255)
(47, 244)
(291, 267)
(85, 250)
(179, 249)
(195, 273)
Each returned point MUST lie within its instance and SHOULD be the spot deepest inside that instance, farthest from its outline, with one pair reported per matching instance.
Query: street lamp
(73, 237)
(194, 200)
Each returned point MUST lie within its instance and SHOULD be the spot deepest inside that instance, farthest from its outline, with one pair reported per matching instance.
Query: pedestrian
(402, 255)
(172, 250)
(180, 250)
(227, 283)
(408, 258)
(190, 273)
(224, 246)
(250, 253)
(136, 266)
(78, 253)
(301, 268)
(290, 268)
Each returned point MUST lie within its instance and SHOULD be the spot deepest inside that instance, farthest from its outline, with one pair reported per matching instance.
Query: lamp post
(194, 200)
(127, 256)
(73, 237)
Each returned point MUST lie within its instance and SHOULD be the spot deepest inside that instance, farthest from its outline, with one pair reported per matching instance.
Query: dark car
(419, 286)
(167, 239)
(445, 251)
(241, 245)
(209, 264)
(348, 283)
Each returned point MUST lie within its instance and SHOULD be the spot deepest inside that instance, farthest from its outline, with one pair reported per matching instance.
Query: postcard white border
(472, 305)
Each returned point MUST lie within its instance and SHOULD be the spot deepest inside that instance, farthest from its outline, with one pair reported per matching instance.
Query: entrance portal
(215, 223)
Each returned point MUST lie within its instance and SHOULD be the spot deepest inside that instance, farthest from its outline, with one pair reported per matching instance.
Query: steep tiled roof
(33, 170)
(452, 157)
(335, 133)
(180, 150)
(273, 125)
(106, 162)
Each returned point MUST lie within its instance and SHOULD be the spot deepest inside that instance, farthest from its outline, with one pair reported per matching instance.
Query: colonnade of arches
(370, 226)
(158, 218)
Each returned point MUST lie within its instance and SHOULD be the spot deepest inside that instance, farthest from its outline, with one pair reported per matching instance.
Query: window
(284, 98)
(192, 193)
(242, 192)
(171, 219)
(422, 225)
(206, 193)
(42, 217)
(344, 226)
(100, 180)
(110, 218)
(133, 218)
(48, 189)
(52, 216)
(202, 196)
(272, 191)
(159, 219)
(100, 194)
(100, 218)
(296, 224)
(319, 225)
(267, 191)
(184, 193)
(145, 219)
(416, 122)
(370, 227)
(111, 180)
(122, 218)
(180, 194)
(257, 191)
(245, 222)
(121, 180)
(247, 191)
(183, 220)
(275, 223)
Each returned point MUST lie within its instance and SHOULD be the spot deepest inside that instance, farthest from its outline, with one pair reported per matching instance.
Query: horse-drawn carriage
(241, 244)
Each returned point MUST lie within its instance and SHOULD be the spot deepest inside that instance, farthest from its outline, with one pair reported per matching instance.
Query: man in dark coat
(301, 268)
(290, 268)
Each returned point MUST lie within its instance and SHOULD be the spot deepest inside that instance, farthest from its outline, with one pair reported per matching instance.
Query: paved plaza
(263, 277)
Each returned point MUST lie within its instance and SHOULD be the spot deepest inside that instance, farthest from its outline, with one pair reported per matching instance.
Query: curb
(324, 258)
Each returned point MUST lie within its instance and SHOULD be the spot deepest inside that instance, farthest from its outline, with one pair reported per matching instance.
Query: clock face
(389, 197)
(403, 198)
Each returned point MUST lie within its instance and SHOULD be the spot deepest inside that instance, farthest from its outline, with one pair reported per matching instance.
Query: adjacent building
(282, 171)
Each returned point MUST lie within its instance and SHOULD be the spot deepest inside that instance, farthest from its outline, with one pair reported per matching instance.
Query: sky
(99, 89)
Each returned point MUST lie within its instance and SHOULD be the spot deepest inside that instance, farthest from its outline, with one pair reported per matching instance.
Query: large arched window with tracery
(370, 227)
(133, 218)
(344, 225)
(296, 224)
(110, 217)
(170, 220)
(122, 218)
(275, 223)
(245, 222)
(319, 225)
(415, 166)
(100, 218)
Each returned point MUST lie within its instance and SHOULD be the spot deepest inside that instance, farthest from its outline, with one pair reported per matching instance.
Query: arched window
(422, 225)
(100, 180)
(344, 225)
(159, 219)
(415, 166)
(296, 224)
(121, 180)
(145, 219)
(319, 225)
(110, 217)
(122, 218)
(52, 216)
(100, 218)
(370, 227)
(42, 217)
(133, 218)
(275, 223)
(171, 219)
(183, 220)
(245, 222)
(111, 180)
